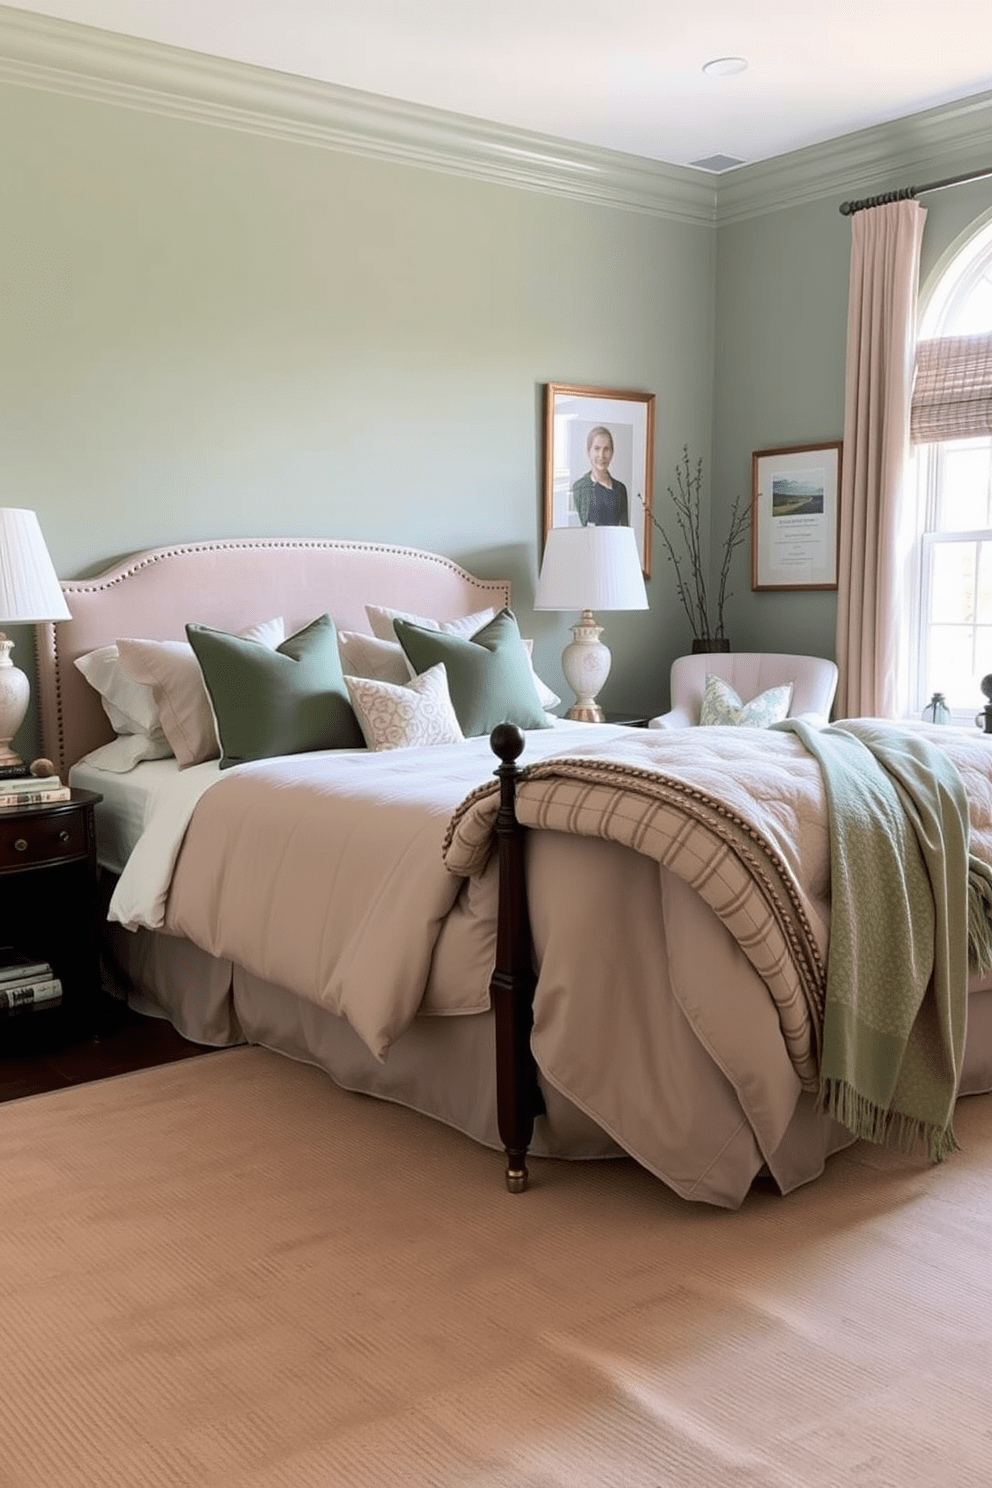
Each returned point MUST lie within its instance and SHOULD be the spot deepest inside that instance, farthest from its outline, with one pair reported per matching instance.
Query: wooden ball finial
(507, 742)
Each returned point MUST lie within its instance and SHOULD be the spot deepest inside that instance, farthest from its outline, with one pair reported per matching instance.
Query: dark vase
(720, 643)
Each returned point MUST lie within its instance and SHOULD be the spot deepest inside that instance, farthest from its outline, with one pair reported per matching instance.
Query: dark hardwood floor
(125, 1041)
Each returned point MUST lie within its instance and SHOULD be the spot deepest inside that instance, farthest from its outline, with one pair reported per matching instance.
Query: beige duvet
(657, 1014)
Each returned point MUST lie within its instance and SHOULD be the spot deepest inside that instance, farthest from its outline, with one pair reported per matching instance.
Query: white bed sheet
(129, 802)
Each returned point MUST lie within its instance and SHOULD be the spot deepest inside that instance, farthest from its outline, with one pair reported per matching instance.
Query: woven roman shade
(952, 395)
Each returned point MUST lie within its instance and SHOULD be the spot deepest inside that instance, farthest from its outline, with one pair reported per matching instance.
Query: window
(952, 592)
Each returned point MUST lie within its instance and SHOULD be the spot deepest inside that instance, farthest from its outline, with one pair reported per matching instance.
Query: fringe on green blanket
(865, 1119)
(979, 918)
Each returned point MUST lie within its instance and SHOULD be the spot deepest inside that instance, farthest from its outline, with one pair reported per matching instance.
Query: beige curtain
(872, 618)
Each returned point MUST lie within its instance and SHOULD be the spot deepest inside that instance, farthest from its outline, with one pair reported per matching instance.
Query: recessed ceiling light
(725, 66)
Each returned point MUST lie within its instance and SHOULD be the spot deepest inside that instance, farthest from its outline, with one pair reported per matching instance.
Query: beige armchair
(814, 682)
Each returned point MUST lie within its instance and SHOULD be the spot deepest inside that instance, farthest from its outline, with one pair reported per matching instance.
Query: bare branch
(690, 567)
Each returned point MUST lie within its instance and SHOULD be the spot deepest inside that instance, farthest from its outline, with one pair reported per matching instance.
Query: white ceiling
(626, 76)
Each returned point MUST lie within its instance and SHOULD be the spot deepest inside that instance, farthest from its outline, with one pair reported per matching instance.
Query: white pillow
(171, 670)
(367, 656)
(381, 621)
(419, 713)
(548, 698)
(129, 705)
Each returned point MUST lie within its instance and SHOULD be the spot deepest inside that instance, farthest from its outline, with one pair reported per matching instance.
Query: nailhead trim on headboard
(53, 664)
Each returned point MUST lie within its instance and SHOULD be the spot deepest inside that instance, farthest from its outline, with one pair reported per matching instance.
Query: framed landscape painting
(599, 460)
(795, 494)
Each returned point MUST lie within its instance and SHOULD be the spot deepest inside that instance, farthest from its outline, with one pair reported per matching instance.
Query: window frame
(966, 264)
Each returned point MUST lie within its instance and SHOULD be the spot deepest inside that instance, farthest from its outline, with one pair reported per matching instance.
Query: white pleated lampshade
(29, 586)
(591, 568)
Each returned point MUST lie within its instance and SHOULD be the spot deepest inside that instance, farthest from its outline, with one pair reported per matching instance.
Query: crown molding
(106, 67)
(952, 137)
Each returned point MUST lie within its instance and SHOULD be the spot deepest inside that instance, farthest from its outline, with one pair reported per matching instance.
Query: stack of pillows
(259, 693)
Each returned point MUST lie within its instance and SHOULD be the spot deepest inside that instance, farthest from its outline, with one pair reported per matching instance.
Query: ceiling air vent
(717, 163)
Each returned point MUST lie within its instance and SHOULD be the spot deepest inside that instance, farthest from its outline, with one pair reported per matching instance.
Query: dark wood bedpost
(518, 1095)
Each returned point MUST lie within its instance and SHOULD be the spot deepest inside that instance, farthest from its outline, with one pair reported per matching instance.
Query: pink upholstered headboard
(230, 583)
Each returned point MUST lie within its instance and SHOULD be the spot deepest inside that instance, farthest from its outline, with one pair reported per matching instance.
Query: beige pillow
(172, 671)
(367, 656)
(417, 714)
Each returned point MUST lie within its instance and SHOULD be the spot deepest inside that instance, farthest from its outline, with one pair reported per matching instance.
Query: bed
(652, 1033)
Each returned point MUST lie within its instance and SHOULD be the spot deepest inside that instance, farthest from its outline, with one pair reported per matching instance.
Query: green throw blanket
(895, 1012)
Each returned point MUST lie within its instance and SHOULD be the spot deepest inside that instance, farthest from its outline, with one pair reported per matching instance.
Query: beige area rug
(227, 1271)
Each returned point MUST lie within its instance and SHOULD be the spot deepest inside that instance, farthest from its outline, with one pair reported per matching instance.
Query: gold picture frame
(576, 419)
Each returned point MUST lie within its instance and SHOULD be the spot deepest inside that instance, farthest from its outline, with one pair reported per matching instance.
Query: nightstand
(49, 911)
(631, 720)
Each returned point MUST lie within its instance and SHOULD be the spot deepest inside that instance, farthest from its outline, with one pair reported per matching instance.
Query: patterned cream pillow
(722, 705)
(418, 713)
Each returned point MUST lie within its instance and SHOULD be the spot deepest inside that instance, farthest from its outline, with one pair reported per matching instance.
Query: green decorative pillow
(284, 701)
(722, 705)
(489, 674)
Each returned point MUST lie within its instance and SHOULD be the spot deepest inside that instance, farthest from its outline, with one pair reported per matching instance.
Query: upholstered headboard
(230, 583)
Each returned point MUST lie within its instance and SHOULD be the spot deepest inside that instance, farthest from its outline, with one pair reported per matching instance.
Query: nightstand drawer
(55, 836)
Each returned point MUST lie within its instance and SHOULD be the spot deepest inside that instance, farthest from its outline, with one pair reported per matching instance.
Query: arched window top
(952, 392)
(961, 302)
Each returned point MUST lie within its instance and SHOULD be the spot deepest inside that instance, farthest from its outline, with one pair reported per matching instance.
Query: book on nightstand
(29, 994)
(15, 995)
(36, 797)
(15, 967)
(29, 782)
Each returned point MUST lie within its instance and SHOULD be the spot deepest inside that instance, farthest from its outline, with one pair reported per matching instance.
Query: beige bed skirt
(441, 1067)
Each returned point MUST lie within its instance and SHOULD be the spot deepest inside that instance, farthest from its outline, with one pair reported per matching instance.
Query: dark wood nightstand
(49, 911)
(631, 720)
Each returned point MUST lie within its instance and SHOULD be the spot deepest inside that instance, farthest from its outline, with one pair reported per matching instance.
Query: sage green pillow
(489, 674)
(284, 701)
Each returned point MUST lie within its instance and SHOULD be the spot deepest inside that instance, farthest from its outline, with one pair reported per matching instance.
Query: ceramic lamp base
(15, 691)
(586, 663)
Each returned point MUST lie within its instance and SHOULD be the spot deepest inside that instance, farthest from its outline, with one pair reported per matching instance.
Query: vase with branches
(688, 559)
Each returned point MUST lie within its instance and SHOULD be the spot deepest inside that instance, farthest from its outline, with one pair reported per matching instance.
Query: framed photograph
(599, 460)
(794, 528)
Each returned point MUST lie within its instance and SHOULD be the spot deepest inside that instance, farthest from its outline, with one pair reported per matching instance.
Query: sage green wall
(781, 327)
(207, 332)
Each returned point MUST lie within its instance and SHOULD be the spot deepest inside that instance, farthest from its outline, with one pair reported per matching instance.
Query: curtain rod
(907, 193)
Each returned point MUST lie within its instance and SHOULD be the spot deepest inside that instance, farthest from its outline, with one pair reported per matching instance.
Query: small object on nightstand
(43, 769)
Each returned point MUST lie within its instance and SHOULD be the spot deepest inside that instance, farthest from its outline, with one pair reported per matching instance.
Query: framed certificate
(794, 528)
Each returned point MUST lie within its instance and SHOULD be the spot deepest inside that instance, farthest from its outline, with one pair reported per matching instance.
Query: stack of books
(26, 983)
(32, 790)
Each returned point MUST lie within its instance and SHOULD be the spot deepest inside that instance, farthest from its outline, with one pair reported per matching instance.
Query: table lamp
(29, 592)
(589, 568)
